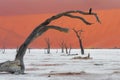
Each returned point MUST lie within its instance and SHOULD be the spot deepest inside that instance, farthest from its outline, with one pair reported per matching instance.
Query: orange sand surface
(15, 29)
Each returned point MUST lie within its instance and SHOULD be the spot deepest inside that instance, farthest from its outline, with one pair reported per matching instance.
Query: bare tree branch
(34, 35)
(68, 13)
(78, 17)
(17, 66)
(79, 39)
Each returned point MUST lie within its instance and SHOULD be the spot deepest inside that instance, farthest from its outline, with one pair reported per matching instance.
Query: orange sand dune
(15, 29)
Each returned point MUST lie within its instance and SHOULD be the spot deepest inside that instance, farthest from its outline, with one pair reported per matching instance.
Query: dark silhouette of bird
(90, 10)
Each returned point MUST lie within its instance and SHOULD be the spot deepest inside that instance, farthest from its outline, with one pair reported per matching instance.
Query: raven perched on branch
(90, 10)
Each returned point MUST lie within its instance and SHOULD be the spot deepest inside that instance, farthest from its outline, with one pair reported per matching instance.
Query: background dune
(15, 29)
(18, 7)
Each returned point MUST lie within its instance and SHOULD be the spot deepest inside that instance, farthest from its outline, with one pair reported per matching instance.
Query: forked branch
(17, 66)
(78, 35)
(69, 14)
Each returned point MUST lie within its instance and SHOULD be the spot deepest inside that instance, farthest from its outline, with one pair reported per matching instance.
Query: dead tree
(3, 50)
(62, 46)
(70, 48)
(66, 48)
(29, 50)
(47, 40)
(57, 51)
(17, 66)
(78, 35)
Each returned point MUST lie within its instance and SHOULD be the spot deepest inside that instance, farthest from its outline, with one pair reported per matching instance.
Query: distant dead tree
(78, 35)
(29, 50)
(47, 40)
(70, 48)
(17, 66)
(57, 51)
(3, 49)
(62, 46)
(66, 48)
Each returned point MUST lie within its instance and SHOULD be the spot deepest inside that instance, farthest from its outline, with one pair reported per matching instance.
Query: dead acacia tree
(47, 40)
(70, 49)
(17, 66)
(66, 48)
(3, 50)
(78, 35)
(62, 46)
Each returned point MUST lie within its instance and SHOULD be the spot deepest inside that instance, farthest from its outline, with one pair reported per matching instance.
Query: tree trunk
(62, 45)
(79, 39)
(62, 50)
(66, 48)
(81, 46)
(17, 66)
(70, 49)
(48, 45)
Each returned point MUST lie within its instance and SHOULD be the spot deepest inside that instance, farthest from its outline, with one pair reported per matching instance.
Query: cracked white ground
(105, 65)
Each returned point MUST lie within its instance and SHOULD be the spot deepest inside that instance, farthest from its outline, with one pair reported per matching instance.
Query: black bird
(90, 10)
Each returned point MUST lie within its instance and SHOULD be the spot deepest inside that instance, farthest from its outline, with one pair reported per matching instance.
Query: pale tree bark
(17, 66)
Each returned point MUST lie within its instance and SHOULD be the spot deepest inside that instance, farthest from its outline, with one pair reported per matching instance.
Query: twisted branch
(17, 66)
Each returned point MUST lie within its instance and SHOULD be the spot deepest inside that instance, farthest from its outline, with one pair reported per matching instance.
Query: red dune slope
(15, 29)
